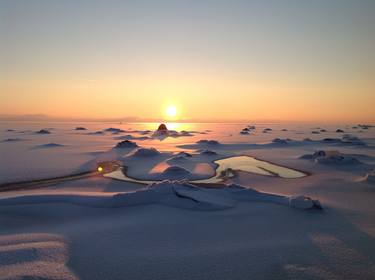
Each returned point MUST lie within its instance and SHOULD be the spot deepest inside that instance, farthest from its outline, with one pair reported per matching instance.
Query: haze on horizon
(211, 59)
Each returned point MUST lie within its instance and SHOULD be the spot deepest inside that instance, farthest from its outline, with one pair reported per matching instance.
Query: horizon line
(47, 118)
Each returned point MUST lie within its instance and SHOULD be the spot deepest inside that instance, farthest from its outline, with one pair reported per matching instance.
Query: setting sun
(171, 111)
(123, 124)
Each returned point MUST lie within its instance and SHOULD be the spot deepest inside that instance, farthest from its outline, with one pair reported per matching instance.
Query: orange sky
(228, 61)
(197, 98)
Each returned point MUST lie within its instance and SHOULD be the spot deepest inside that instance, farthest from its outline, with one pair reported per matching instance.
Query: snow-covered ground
(254, 228)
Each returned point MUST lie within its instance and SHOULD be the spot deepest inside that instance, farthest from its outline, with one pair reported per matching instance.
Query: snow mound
(337, 160)
(175, 193)
(331, 157)
(131, 137)
(126, 144)
(185, 133)
(208, 153)
(331, 140)
(50, 145)
(248, 194)
(163, 132)
(202, 198)
(43, 131)
(177, 159)
(280, 141)
(184, 154)
(304, 203)
(247, 130)
(365, 126)
(315, 155)
(351, 139)
(145, 152)
(208, 142)
(13, 140)
(96, 133)
(175, 173)
(114, 130)
(167, 186)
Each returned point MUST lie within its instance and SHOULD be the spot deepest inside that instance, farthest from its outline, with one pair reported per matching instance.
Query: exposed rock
(162, 127)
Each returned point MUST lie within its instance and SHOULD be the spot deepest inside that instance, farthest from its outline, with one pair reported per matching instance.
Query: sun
(171, 111)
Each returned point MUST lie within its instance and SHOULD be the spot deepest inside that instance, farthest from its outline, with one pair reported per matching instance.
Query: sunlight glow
(171, 111)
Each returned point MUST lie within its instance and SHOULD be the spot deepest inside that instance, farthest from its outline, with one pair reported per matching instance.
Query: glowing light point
(100, 169)
(171, 111)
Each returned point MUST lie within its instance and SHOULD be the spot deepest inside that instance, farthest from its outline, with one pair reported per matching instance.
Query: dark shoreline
(39, 183)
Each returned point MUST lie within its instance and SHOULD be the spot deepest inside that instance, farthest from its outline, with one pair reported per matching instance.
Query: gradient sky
(228, 60)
